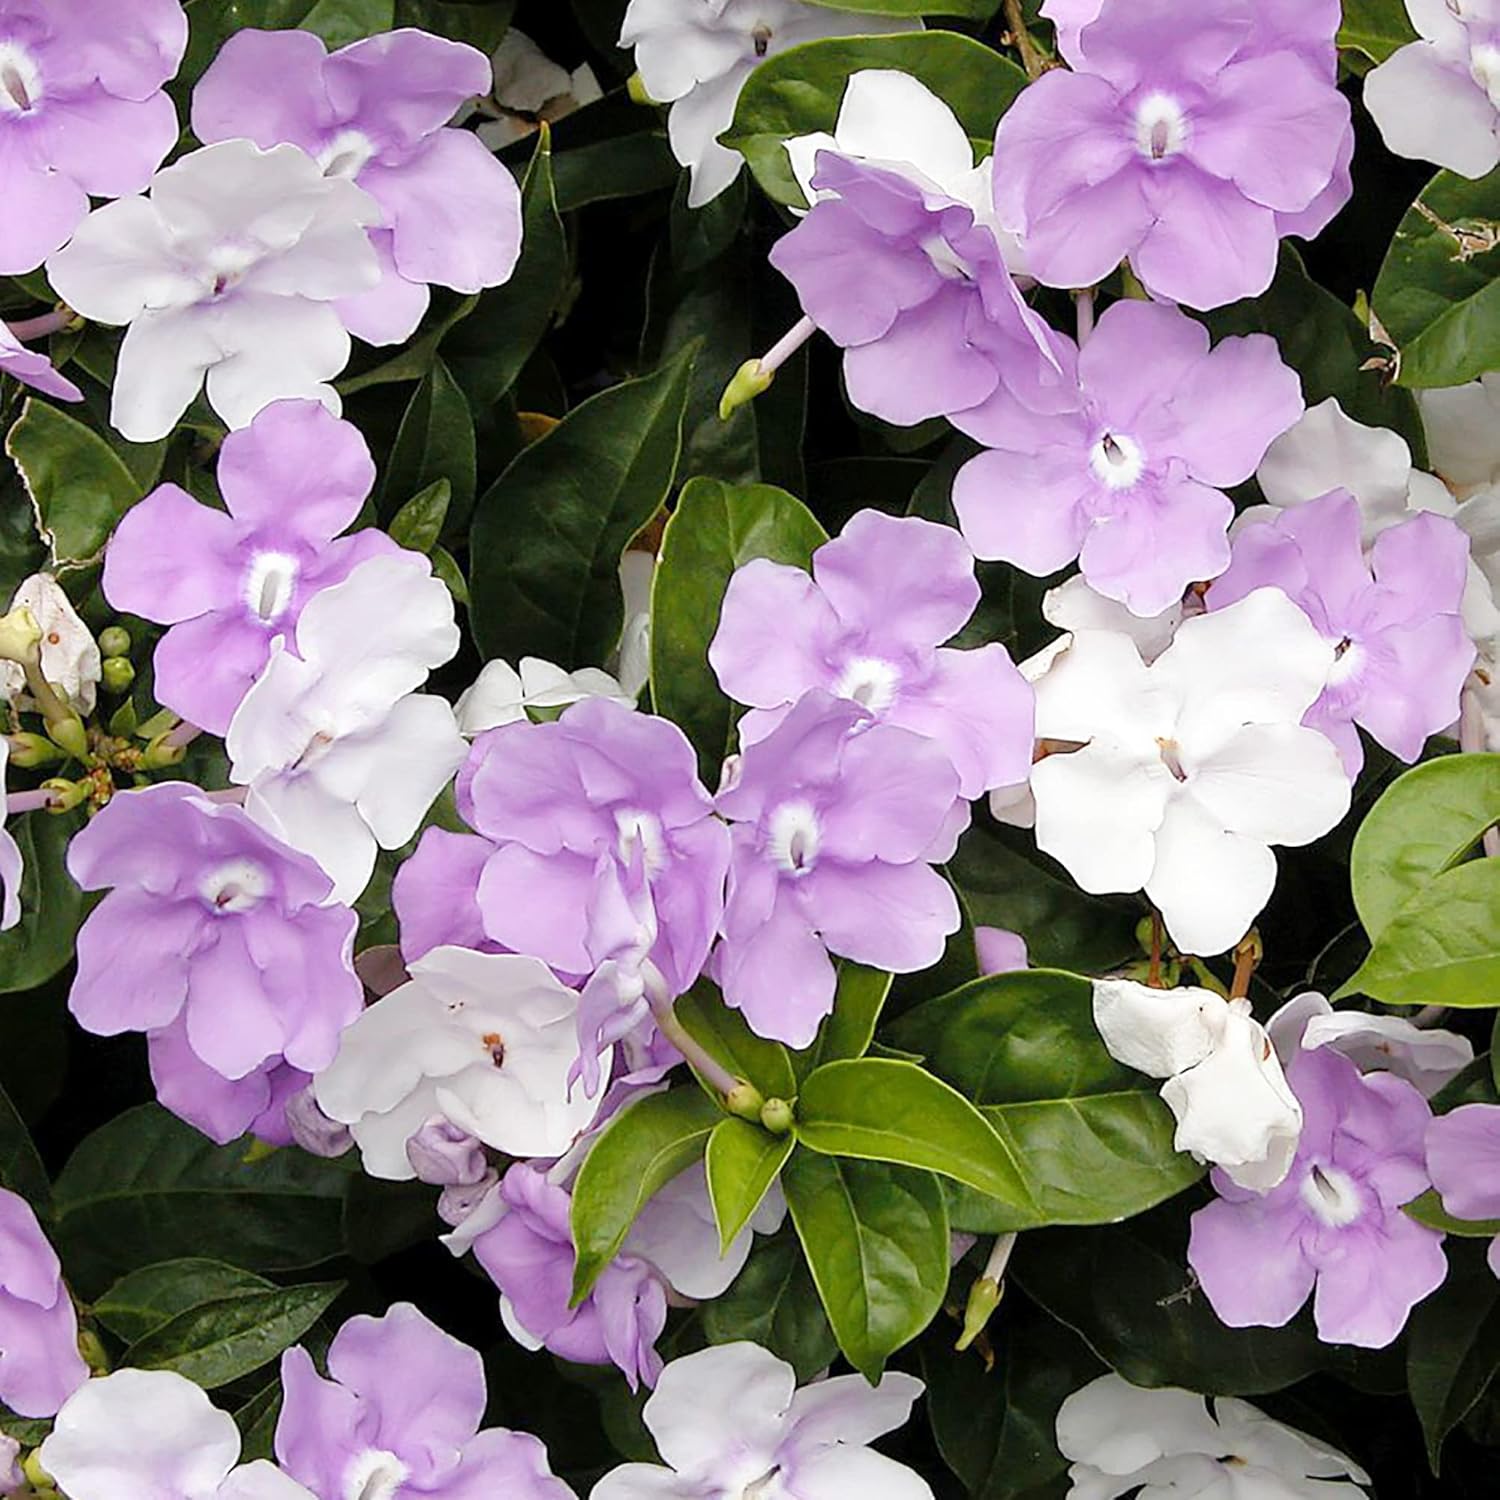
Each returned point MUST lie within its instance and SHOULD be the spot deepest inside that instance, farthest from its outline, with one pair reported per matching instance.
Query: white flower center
(20, 80)
(269, 581)
(227, 263)
(759, 1487)
(1348, 662)
(1332, 1195)
(1117, 461)
(1484, 68)
(869, 681)
(235, 886)
(1161, 127)
(374, 1475)
(794, 837)
(346, 154)
(1171, 758)
(640, 830)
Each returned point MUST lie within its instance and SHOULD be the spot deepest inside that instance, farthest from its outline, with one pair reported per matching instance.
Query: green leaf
(419, 522)
(799, 91)
(52, 906)
(1453, 1346)
(620, 166)
(848, 1032)
(548, 535)
(1442, 947)
(1423, 824)
(435, 441)
(878, 1109)
(143, 1301)
(480, 23)
(79, 486)
(21, 1169)
(146, 1187)
(1429, 1210)
(773, 1302)
(488, 350)
(29, 1432)
(1437, 293)
(220, 1341)
(742, 1161)
(340, 22)
(415, 358)
(256, 1420)
(725, 1034)
(876, 1240)
(1093, 1138)
(715, 529)
(1375, 28)
(644, 1147)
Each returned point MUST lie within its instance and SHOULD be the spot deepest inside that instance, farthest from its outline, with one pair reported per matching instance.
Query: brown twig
(1033, 59)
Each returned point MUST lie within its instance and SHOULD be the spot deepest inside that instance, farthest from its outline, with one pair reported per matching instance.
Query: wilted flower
(69, 653)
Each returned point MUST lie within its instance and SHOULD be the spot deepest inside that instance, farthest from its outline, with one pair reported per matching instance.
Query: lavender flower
(32, 368)
(40, 1366)
(1463, 1158)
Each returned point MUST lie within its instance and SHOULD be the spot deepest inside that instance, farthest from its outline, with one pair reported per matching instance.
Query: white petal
(890, 117)
(723, 1401)
(494, 699)
(1276, 783)
(1392, 1044)
(1431, 109)
(275, 348)
(1119, 1428)
(70, 655)
(1250, 1433)
(1158, 1032)
(1074, 606)
(1463, 432)
(262, 1480)
(163, 360)
(324, 827)
(1098, 685)
(840, 1472)
(694, 125)
(119, 262)
(846, 1409)
(677, 1234)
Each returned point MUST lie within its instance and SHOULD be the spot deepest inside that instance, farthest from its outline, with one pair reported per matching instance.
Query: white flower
(1186, 771)
(697, 54)
(70, 654)
(229, 269)
(633, 659)
(484, 1039)
(153, 1433)
(501, 694)
(530, 87)
(729, 1422)
(1120, 1438)
(1427, 1059)
(338, 750)
(1224, 1084)
(1438, 99)
(11, 865)
(1463, 434)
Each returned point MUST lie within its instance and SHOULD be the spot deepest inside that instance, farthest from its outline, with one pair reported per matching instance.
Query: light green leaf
(340, 22)
(144, 1300)
(548, 535)
(743, 1161)
(715, 529)
(52, 906)
(876, 1241)
(1437, 293)
(725, 1034)
(878, 1109)
(419, 522)
(849, 1030)
(644, 1147)
(1375, 28)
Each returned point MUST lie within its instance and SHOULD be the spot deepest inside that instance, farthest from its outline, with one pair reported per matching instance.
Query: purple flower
(215, 927)
(40, 1366)
(81, 112)
(1463, 1156)
(1181, 140)
(836, 819)
(568, 805)
(529, 1255)
(401, 1415)
(867, 626)
(1393, 622)
(436, 894)
(375, 112)
(1334, 1227)
(32, 368)
(229, 584)
(1130, 479)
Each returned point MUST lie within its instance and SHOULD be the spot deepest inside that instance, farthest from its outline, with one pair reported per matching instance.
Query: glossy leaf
(879, 1109)
(1375, 28)
(1429, 1210)
(479, 23)
(643, 1147)
(727, 1036)
(434, 441)
(21, 1169)
(876, 1241)
(419, 522)
(548, 535)
(142, 1301)
(1093, 1138)
(714, 529)
(52, 906)
(848, 1032)
(742, 1161)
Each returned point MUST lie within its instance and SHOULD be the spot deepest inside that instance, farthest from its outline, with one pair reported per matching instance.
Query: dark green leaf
(1375, 28)
(340, 22)
(715, 529)
(743, 1161)
(414, 359)
(622, 166)
(256, 1420)
(548, 535)
(878, 1109)
(1429, 1210)
(435, 441)
(876, 1240)
(52, 906)
(480, 23)
(21, 1169)
(643, 1147)
(419, 522)
(725, 1034)
(143, 1301)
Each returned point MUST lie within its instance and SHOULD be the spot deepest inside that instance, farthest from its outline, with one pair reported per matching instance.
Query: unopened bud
(117, 674)
(984, 1298)
(746, 1101)
(91, 1347)
(69, 735)
(750, 380)
(36, 1476)
(635, 87)
(258, 1151)
(776, 1115)
(114, 640)
(66, 795)
(30, 750)
(20, 637)
(159, 754)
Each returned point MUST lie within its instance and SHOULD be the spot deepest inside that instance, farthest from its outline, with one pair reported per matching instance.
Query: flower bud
(746, 1101)
(749, 381)
(30, 750)
(635, 87)
(776, 1115)
(458, 1203)
(20, 637)
(69, 735)
(984, 1298)
(159, 754)
(66, 795)
(117, 674)
(312, 1129)
(114, 640)
(445, 1155)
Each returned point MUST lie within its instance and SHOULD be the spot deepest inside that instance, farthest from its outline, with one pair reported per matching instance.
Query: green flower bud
(776, 1115)
(30, 750)
(749, 381)
(20, 637)
(114, 640)
(746, 1101)
(69, 735)
(117, 674)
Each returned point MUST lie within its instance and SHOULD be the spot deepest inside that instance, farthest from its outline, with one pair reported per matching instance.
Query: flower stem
(40, 800)
(1084, 305)
(182, 736)
(1033, 59)
(42, 327)
(706, 1066)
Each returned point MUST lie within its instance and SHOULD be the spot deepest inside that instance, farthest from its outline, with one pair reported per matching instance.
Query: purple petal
(1412, 683)
(1139, 362)
(775, 628)
(32, 367)
(498, 1462)
(1463, 1155)
(266, 87)
(779, 976)
(318, 1433)
(1209, 244)
(1024, 508)
(42, 209)
(1380, 1272)
(389, 312)
(109, 146)
(133, 962)
(204, 667)
(232, 1020)
(435, 894)
(402, 86)
(223, 1109)
(537, 904)
(1249, 1261)
(171, 559)
(893, 917)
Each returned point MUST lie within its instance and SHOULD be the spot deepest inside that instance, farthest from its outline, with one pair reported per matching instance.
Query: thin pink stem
(42, 327)
(786, 346)
(1084, 302)
(184, 734)
(23, 802)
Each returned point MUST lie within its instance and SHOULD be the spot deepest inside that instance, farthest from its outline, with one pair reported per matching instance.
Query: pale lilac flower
(729, 1420)
(1161, 1443)
(69, 653)
(376, 113)
(1187, 771)
(446, 1155)
(696, 55)
(11, 864)
(898, 263)
(82, 113)
(483, 1039)
(227, 273)
(1130, 480)
(1393, 624)
(1334, 1229)
(216, 921)
(400, 1414)
(31, 367)
(1176, 141)
(436, 894)
(868, 625)
(837, 820)
(1000, 951)
(1463, 1157)
(334, 742)
(40, 1366)
(1438, 99)
(229, 584)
